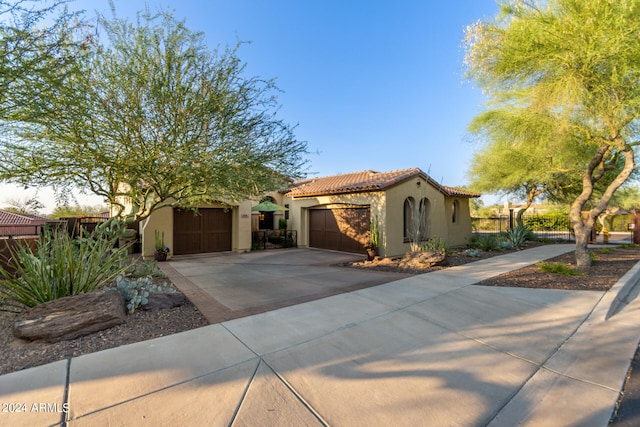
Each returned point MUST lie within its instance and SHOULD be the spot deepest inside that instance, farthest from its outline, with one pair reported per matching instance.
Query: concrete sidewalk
(425, 350)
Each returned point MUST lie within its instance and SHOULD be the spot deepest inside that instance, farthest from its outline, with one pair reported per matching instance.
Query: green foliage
(627, 197)
(551, 222)
(606, 250)
(561, 78)
(78, 211)
(62, 266)
(517, 236)
(38, 41)
(485, 242)
(474, 253)
(436, 244)
(145, 269)
(136, 291)
(154, 105)
(374, 233)
(158, 242)
(629, 246)
(282, 224)
(559, 268)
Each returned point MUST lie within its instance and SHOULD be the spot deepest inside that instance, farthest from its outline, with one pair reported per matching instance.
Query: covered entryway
(207, 230)
(345, 229)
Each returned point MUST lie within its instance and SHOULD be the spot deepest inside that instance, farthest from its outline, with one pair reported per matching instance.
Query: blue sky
(371, 84)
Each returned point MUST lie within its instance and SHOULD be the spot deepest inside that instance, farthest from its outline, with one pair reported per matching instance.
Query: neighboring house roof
(10, 218)
(365, 181)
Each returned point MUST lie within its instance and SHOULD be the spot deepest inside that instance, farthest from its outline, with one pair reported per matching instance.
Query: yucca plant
(61, 266)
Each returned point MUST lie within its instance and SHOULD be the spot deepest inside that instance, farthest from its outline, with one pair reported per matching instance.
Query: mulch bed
(604, 272)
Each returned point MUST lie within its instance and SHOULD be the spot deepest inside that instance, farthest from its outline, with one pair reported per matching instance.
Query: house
(333, 212)
(14, 224)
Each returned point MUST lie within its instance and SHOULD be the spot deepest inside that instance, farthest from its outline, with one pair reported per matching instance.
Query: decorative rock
(71, 317)
(425, 259)
(162, 301)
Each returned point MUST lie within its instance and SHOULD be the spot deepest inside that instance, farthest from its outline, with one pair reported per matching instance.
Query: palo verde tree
(565, 72)
(155, 118)
(500, 167)
(38, 40)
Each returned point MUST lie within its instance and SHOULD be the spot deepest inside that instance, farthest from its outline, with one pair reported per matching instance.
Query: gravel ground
(604, 272)
(144, 325)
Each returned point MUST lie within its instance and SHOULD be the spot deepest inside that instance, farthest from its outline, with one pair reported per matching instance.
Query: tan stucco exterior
(162, 220)
(387, 205)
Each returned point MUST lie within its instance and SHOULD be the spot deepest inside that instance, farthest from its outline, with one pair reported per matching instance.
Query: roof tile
(10, 218)
(364, 181)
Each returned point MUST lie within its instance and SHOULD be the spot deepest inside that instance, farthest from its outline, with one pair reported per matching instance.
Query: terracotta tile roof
(459, 192)
(10, 218)
(364, 181)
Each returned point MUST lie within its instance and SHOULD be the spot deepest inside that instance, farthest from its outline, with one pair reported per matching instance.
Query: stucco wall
(299, 210)
(395, 243)
(241, 227)
(161, 220)
(459, 231)
(389, 208)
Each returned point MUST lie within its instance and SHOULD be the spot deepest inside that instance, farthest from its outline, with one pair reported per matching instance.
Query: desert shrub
(61, 266)
(136, 291)
(486, 242)
(145, 268)
(552, 222)
(559, 268)
(436, 244)
(629, 246)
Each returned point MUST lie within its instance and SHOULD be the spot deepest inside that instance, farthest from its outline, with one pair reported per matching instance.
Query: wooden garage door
(339, 229)
(208, 230)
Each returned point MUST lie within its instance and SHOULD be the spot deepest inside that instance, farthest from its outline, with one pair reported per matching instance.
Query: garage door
(208, 230)
(339, 229)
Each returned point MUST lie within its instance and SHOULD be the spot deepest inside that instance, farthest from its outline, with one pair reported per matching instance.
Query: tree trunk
(582, 233)
(582, 226)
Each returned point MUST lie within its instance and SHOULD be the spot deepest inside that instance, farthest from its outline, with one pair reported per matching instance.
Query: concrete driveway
(428, 350)
(226, 286)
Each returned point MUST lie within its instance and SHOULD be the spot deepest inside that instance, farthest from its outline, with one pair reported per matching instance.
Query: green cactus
(136, 291)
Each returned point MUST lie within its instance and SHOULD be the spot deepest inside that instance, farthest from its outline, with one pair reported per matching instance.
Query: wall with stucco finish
(388, 206)
(299, 210)
(161, 220)
(459, 231)
(395, 243)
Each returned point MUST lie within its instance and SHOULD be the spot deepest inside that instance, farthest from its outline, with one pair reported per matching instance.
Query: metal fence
(555, 227)
(274, 239)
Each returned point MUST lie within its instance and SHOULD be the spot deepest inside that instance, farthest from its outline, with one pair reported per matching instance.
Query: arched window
(425, 218)
(408, 217)
(454, 211)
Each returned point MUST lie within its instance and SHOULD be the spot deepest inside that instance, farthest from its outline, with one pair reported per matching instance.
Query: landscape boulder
(424, 259)
(162, 301)
(71, 317)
